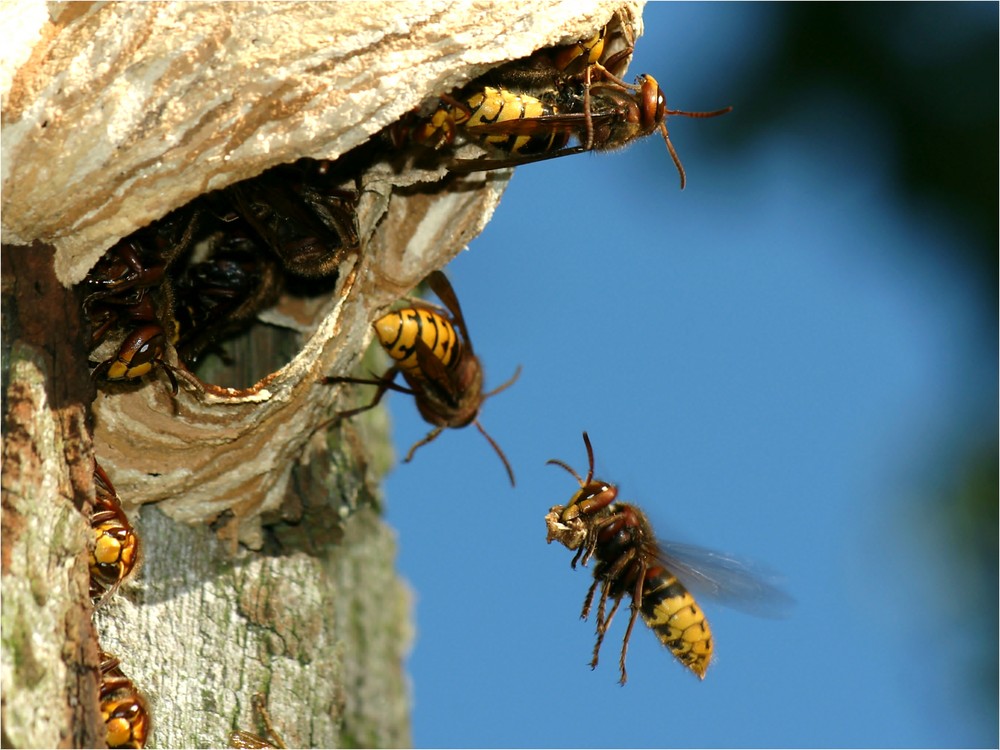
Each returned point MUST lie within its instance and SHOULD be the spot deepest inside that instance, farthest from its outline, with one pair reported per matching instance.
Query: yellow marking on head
(107, 550)
(120, 371)
(129, 552)
(119, 732)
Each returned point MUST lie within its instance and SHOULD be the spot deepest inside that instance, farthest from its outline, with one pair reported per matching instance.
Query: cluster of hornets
(204, 271)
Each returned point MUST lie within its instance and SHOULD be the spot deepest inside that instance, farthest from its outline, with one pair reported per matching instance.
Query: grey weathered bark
(113, 115)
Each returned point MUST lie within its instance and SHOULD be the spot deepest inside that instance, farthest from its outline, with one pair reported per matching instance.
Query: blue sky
(766, 363)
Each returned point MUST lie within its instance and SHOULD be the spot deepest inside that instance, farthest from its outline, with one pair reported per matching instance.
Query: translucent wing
(735, 582)
(484, 164)
(248, 741)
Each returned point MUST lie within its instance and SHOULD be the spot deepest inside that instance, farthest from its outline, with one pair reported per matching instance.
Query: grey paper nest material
(115, 114)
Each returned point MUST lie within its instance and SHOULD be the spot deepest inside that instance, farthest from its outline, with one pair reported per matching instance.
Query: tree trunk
(266, 566)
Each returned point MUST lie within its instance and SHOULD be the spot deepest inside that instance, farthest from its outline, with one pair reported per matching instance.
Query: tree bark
(266, 566)
(47, 640)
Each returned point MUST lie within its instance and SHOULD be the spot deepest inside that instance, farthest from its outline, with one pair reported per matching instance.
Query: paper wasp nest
(116, 114)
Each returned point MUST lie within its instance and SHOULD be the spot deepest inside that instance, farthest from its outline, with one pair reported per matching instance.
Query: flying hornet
(122, 707)
(432, 349)
(631, 561)
(116, 545)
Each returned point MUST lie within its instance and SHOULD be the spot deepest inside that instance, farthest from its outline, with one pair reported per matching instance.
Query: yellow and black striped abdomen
(673, 614)
(400, 330)
(572, 58)
(495, 106)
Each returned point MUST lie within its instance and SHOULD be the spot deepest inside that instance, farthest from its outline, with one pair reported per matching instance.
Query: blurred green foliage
(927, 74)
